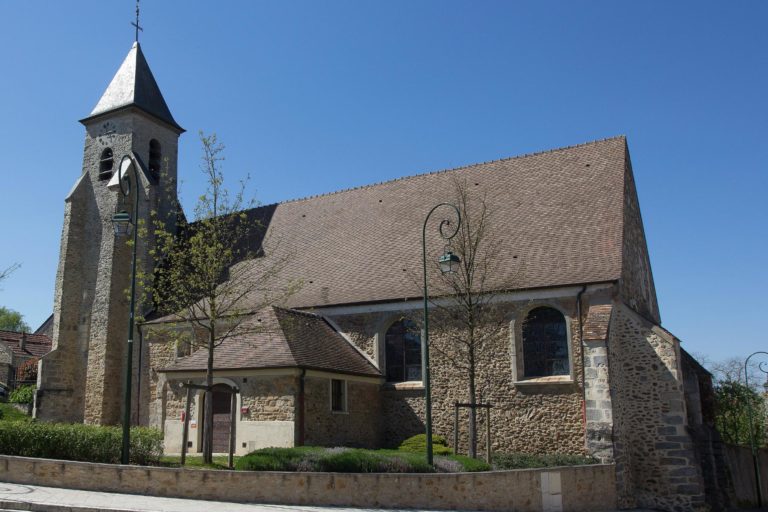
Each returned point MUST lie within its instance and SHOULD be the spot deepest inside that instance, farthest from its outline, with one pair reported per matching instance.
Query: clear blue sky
(311, 97)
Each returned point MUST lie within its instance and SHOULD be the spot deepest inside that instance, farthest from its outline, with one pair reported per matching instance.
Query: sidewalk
(15, 497)
(52, 499)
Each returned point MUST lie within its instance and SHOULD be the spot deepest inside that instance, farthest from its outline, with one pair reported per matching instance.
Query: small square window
(338, 395)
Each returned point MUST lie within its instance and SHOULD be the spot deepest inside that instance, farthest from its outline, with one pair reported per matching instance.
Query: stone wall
(6, 363)
(271, 398)
(636, 284)
(655, 458)
(358, 426)
(265, 413)
(574, 489)
(742, 470)
(529, 415)
(82, 378)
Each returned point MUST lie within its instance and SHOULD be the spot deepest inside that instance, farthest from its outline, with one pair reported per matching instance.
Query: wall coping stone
(570, 488)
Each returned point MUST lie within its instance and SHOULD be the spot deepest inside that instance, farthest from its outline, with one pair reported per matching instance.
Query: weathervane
(138, 27)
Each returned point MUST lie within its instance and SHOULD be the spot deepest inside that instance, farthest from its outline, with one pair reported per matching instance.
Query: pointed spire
(134, 85)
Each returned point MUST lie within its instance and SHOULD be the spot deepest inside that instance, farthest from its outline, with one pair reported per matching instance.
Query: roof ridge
(452, 169)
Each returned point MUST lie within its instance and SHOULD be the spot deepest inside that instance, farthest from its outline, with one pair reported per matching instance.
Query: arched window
(545, 343)
(403, 352)
(155, 157)
(106, 162)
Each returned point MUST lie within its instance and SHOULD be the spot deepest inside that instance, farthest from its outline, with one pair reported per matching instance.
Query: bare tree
(206, 276)
(8, 271)
(464, 305)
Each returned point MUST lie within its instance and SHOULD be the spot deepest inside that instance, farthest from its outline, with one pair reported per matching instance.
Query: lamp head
(122, 223)
(449, 262)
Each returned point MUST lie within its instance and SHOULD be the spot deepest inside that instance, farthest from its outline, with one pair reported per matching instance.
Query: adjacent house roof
(283, 338)
(36, 345)
(134, 86)
(556, 216)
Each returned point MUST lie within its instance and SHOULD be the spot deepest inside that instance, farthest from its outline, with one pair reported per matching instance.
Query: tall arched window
(545, 343)
(106, 162)
(155, 157)
(403, 352)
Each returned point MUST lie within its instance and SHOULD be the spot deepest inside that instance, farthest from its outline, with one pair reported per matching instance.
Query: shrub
(530, 460)
(335, 460)
(22, 395)
(418, 444)
(87, 443)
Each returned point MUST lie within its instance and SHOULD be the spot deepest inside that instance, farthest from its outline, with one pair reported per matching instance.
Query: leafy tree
(202, 277)
(11, 320)
(733, 400)
(464, 303)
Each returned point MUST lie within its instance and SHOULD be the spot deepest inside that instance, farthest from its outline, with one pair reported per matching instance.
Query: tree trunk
(208, 413)
(472, 408)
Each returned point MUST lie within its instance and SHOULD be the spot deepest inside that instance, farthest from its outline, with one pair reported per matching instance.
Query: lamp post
(750, 413)
(122, 221)
(447, 263)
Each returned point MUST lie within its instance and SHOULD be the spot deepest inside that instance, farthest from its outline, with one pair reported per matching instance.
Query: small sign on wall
(192, 423)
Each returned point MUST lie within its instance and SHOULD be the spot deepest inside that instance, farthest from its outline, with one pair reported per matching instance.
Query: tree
(11, 320)
(733, 400)
(202, 276)
(464, 305)
(8, 271)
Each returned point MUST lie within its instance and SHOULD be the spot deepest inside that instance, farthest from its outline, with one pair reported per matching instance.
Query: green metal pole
(755, 455)
(425, 341)
(425, 346)
(125, 452)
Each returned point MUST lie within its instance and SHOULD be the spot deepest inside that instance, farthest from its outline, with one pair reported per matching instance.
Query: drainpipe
(583, 369)
(300, 409)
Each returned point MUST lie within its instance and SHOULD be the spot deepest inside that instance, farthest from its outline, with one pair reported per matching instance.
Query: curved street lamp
(123, 222)
(750, 413)
(448, 262)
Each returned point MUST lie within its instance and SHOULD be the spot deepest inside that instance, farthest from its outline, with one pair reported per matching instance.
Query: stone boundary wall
(742, 469)
(576, 488)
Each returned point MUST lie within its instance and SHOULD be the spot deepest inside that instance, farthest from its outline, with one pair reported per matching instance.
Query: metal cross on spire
(136, 24)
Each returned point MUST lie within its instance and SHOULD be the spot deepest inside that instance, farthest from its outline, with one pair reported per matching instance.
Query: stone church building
(578, 361)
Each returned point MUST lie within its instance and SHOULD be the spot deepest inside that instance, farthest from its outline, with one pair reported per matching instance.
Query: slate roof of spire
(134, 86)
(283, 338)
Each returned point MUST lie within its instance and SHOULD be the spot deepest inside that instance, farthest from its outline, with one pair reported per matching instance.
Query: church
(575, 358)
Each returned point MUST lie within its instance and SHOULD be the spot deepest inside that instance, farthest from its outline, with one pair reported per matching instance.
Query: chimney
(23, 341)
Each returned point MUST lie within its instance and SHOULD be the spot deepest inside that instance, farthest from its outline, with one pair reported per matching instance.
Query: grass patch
(530, 460)
(10, 413)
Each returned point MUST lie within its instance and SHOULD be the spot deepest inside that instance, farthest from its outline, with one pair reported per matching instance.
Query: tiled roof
(283, 338)
(134, 85)
(556, 216)
(37, 345)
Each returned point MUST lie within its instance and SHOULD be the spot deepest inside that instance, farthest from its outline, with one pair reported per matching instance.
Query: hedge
(87, 443)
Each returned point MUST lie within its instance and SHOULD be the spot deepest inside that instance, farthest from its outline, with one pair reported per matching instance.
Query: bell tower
(81, 380)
